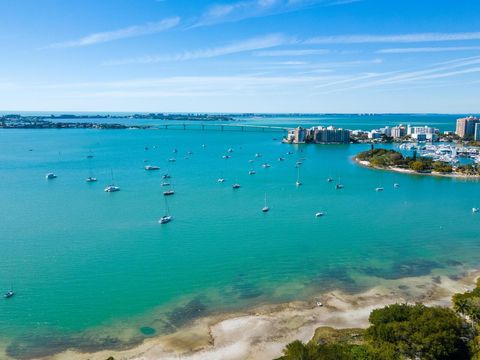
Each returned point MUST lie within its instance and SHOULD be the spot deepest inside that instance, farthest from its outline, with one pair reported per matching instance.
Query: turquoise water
(84, 262)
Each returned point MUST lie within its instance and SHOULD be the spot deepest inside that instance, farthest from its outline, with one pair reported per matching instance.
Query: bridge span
(222, 127)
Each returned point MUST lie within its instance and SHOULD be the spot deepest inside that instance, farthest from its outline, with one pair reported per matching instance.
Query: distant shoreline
(367, 164)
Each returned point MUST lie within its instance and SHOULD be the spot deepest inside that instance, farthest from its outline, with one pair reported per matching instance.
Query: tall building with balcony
(466, 126)
(324, 135)
(397, 132)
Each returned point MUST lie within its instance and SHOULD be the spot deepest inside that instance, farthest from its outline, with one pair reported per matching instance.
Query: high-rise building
(397, 132)
(322, 135)
(466, 126)
(476, 136)
(300, 135)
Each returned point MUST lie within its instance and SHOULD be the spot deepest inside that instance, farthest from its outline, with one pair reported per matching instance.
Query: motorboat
(236, 186)
(298, 163)
(165, 183)
(251, 161)
(111, 188)
(172, 160)
(168, 192)
(91, 179)
(230, 150)
(319, 214)
(281, 159)
(379, 189)
(152, 167)
(166, 176)
(221, 180)
(50, 176)
(9, 294)
(266, 166)
(339, 186)
(329, 179)
(475, 210)
(258, 155)
(175, 151)
(165, 219)
(225, 157)
(298, 183)
(251, 172)
(396, 185)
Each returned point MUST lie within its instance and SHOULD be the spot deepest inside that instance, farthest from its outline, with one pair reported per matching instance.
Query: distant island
(396, 161)
(69, 121)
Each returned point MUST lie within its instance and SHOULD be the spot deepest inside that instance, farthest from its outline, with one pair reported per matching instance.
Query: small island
(395, 161)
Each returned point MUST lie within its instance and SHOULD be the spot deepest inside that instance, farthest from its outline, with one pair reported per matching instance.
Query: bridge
(222, 127)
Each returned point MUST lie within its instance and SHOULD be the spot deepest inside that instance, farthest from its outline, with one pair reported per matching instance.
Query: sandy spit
(261, 333)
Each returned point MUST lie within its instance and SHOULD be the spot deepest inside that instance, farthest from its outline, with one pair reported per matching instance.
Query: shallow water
(85, 262)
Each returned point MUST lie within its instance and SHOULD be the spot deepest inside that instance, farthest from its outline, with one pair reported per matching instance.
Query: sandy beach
(261, 333)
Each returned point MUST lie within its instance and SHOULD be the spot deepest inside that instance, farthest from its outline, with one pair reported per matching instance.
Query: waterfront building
(296, 136)
(422, 133)
(318, 135)
(324, 135)
(397, 132)
(476, 136)
(375, 134)
(466, 126)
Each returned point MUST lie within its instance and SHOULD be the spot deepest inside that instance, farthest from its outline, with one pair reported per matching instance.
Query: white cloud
(256, 43)
(300, 52)
(128, 32)
(427, 49)
(400, 38)
(245, 9)
(453, 68)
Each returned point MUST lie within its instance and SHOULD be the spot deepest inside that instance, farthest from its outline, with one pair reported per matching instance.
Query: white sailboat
(91, 178)
(167, 217)
(298, 182)
(112, 187)
(265, 207)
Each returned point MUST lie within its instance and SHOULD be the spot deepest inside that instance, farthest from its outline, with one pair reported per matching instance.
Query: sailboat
(167, 217)
(112, 187)
(339, 185)
(90, 178)
(168, 192)
(265, 208)
(298, 182)
(9, 293)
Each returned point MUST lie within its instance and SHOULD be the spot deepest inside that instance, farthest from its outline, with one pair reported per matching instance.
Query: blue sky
(240, 56)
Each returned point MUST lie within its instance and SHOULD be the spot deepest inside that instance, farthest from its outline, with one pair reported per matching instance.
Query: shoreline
(367, 164)
(262, 332)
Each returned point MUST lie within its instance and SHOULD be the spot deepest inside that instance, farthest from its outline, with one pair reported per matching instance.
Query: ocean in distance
(95, 270)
